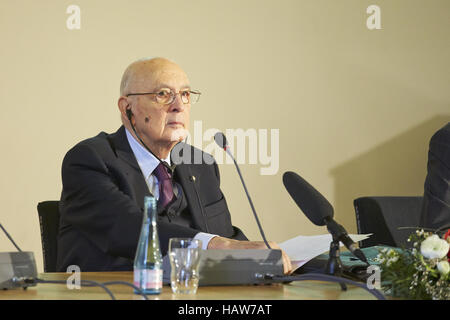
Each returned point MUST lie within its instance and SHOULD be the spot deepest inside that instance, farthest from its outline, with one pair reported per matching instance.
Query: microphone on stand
(318, 210)
(221, 140)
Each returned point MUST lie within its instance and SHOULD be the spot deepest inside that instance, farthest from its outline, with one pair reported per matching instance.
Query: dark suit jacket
(436, 199)
(103, 199)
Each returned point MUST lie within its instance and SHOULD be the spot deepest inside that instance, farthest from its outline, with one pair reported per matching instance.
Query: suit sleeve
(95, 206)
(436, 200)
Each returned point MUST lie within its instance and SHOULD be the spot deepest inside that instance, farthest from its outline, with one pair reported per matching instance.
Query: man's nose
(177, 105)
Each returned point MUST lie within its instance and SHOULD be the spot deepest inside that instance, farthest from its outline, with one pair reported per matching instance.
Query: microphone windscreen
(311, 202)
(220, 139)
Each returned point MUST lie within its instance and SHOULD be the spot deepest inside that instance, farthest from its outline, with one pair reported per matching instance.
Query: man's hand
(225, 243)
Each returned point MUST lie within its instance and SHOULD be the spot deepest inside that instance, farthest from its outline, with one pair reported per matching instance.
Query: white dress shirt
(148, 162)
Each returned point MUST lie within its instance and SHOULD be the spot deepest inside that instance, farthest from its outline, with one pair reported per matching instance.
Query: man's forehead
(169, 78)
(164, 76)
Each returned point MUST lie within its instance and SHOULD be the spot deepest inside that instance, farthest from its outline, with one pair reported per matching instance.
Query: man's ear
(124, 106)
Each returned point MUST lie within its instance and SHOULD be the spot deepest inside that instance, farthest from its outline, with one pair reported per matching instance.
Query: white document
(301, 249)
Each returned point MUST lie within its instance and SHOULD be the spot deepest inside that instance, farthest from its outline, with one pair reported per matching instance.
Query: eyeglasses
(167, 96)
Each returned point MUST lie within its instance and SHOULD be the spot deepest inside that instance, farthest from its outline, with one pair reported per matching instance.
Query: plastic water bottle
(148, 272)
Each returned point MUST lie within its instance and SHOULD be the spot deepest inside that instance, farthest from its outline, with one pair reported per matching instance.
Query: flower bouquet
(422, 272)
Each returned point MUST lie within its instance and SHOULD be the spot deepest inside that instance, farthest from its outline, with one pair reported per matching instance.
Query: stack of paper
(301, 249)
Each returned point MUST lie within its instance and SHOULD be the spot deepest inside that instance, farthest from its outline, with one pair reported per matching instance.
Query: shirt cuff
(205, 238)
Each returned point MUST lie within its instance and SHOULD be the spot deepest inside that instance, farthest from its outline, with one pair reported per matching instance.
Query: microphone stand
(334, 265)
(221, 140)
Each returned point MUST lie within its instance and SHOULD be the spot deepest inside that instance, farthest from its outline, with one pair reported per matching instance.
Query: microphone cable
(90, 283)
(328, 278)
(86, 283)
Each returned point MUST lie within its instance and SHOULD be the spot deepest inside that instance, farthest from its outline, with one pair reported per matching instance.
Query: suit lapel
(183, 175)
(121, 147)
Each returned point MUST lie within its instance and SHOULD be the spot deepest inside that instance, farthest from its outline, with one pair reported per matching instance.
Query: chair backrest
(48, 212)
(382, 216)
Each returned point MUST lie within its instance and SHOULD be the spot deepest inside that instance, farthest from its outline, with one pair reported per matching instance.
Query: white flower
(443, 267)
(434, 247)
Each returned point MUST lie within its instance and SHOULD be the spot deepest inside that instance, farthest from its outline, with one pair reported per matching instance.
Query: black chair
(382, 216)
(49, 222)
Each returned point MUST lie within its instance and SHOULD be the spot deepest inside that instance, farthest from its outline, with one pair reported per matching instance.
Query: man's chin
(178, 135)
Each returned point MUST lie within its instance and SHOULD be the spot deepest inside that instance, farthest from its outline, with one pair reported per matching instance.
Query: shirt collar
(147, 162)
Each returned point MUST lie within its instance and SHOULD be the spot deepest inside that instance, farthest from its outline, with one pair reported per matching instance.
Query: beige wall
(355, 108)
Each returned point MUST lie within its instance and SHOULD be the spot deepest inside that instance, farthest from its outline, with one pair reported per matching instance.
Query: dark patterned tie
(165, 185)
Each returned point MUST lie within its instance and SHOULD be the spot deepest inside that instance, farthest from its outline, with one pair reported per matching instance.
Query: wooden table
(304, 290)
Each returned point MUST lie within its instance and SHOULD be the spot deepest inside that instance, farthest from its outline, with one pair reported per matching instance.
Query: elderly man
(105, 179)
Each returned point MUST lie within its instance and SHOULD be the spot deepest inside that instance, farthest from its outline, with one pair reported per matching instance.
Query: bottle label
(148, 279)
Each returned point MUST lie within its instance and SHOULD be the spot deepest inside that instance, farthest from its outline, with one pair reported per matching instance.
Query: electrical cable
(329, 278)
(91, 283)
(140, 291)
(85, 283)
